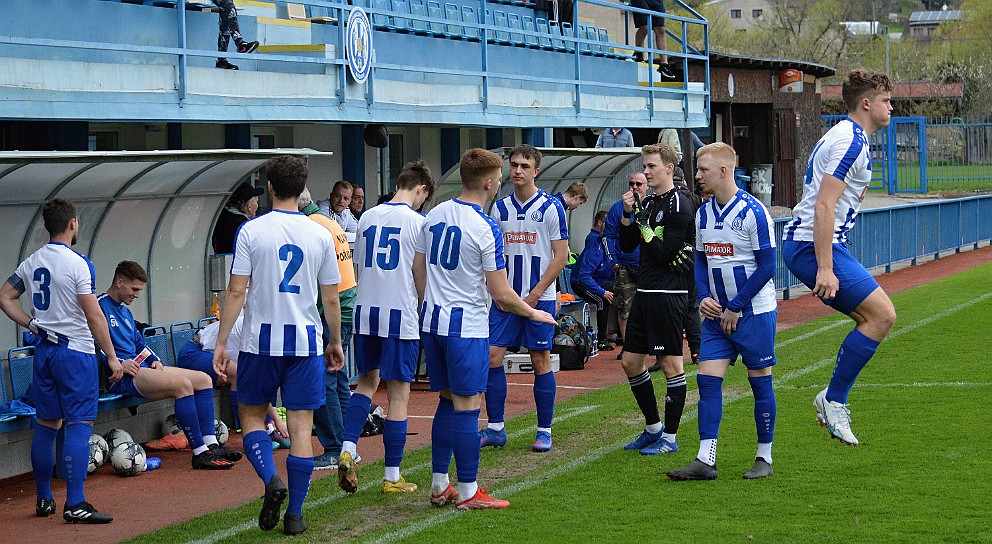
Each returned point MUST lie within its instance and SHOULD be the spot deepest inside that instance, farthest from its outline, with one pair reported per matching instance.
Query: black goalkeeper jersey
(673, 212)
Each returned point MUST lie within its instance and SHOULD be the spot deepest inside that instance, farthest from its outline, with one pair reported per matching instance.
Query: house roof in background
(908, 91)
(930, 17)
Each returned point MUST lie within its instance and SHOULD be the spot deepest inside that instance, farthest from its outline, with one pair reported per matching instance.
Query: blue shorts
(301, 379)
(66, 383)
(754, 341)
(394, 358)
(125, 386)
(508, 330)
(458, 364)
(191, 357)
(855, 282)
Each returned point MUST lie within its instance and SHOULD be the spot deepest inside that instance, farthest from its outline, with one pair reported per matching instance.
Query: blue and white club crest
(359, 45)
(538, 215)
(737, 224)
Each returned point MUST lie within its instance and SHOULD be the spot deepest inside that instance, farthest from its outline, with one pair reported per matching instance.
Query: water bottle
(594, 345)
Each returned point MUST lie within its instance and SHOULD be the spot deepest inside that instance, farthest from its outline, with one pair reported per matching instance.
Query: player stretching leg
(462, 252)
(815, 247)
(61, 285)
(286, 256)
(735, 264)
(536, 242)
(387, 343)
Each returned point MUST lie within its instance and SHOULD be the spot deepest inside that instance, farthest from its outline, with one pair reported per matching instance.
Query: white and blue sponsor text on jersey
(528, 230)
(386, 303)
(287, 256)
(461, 243)
(729, 237)
(843, 152)
(54, 277)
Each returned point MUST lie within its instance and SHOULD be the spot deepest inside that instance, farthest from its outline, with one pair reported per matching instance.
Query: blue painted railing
(883, 237)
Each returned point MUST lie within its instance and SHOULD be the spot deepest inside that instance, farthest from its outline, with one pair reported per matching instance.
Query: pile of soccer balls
(117, 446)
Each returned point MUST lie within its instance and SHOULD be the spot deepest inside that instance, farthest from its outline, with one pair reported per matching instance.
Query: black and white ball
(221, 431)
(99, 451)
(128, 458)
(170, 425)
(117, 436)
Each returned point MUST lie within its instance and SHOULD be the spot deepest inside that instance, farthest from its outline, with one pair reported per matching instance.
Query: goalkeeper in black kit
(663, 225)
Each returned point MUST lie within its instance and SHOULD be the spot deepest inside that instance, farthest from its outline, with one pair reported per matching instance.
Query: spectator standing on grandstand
(815, 246)
(615, 137)
(536, 244)
(735, 264)
(146, 377)
(240, 207)
(286, 256)
(387, 343)
(628, 264)
(336, 207)
(662, 225)
(593, 277)
(329, 418)
(66, 379)
(229, 29)
(357, 205)
(657, 27)
(462, 252)
(576, 195)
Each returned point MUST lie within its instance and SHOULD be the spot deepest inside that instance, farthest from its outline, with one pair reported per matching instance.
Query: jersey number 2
(294, 255)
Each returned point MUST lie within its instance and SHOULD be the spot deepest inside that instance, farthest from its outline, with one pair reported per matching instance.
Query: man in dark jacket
(593, 277)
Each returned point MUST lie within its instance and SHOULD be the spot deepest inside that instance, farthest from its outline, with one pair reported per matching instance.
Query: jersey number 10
(446, 242)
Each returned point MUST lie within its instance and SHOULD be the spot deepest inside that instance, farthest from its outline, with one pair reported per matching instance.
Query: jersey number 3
(294, 255)
(43, 298)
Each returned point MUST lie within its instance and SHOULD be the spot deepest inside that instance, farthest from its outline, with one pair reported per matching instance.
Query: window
(735, 14)
(756, 14)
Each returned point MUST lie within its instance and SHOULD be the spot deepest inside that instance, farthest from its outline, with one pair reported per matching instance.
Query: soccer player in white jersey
(462, 252)
(735, 264)
(387, 340)
(536, 244)
(286, 256)
(814, 249)
(61, 286)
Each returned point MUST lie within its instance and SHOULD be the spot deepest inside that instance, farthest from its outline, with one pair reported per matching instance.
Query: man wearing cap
(240, 207)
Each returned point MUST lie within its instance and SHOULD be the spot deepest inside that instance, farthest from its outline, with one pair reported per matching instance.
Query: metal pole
(181, 9)
(888, 69)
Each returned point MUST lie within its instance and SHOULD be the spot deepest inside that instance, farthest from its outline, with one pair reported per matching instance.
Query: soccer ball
(117, 436)
(98, 453)
(170, 425)
(220, 430)
(564, 340)
(128, 458)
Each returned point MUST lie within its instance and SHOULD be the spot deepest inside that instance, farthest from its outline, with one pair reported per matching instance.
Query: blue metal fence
(886, 236)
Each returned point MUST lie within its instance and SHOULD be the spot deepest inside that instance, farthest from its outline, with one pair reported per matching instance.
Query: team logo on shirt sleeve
(718, 250)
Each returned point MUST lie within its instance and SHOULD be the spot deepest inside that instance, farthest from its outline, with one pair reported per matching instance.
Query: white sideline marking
(899, 385)
(594, 455)
(559, 386)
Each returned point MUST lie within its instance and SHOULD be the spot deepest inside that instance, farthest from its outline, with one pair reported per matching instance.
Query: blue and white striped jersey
(386, 304)
(461, 244)
(842, 153)
(286, 255)
(528, 230)
(54, 277)
(729, 237)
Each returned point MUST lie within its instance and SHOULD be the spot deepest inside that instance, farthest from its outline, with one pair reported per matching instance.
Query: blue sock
(258, 449)
(764, 407)
(189, 421)
(235, 419)
(355, 417)
(855, 352)
(43, 459)
(394, 440)
(441, 447)
(544, 398)
(710, 406)
(204, 400)
(496, 394)
(465, 439)
(299, 470)
(76, 452)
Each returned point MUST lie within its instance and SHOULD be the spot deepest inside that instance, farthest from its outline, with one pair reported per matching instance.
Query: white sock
(668, 436)
(201, 449)
(210, 439)
(654, 428)
(270, 427)
(497, 426)
(393, 474)
(707, 451)
(765, 452)
(350, 447)
(439, 482)
(544, 429)
(467, 490)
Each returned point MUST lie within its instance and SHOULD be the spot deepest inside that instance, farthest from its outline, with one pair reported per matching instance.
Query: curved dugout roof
(157, 208)
(604, 171)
